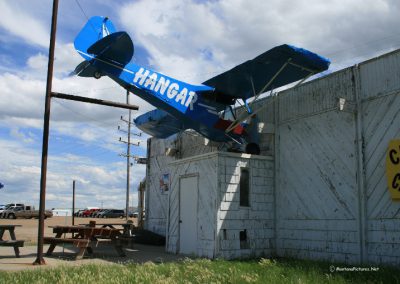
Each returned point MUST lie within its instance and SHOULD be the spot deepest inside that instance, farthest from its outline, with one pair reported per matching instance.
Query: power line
(91, 90)
(80, 7)
(83, 12)
(87, 117)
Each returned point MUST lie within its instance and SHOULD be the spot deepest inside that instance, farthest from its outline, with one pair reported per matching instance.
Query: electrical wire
(102, 123)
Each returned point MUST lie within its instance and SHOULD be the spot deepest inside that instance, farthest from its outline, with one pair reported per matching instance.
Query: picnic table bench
(13, 242)
(127, 228)
(85, 238)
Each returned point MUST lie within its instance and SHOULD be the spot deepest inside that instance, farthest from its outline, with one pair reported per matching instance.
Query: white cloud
(20, 168)
(17, 134)
(37, 62)
(179, 34)
(19, 22)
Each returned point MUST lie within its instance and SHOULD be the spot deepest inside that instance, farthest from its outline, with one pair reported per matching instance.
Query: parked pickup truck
(26, 212)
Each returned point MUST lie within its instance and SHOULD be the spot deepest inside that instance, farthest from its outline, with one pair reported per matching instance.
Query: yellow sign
(393, 169)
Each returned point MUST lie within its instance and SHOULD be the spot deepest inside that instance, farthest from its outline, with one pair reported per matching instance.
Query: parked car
(112, 213)
(78, 213)
(98, 212)
(88, 212)
(135, 214)
(26, 212)
(9, 208)
(94, 213)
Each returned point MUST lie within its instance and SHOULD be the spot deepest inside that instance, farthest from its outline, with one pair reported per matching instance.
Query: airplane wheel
(253, 148)
(97, 75)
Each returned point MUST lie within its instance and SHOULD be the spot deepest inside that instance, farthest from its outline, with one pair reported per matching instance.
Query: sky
(187, 39)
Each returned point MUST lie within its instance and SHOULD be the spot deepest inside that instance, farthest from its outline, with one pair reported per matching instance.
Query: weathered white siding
(257, 219)
(380, 93)
(158, 164)
(331, 166)
(157, 201)
(220, 217)
(205, 168)
(324, 195)
(316, 185)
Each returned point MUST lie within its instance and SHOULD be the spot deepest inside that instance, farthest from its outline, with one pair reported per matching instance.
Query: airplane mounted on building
(180, 105)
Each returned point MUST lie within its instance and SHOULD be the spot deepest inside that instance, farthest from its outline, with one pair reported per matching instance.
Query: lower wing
(158, 123)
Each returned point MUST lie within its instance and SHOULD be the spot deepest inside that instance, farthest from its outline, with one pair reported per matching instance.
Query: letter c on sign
(396, 182)
(393, 169)
(392, 154)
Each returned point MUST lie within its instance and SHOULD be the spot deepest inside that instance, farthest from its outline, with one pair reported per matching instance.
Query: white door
(188, 215)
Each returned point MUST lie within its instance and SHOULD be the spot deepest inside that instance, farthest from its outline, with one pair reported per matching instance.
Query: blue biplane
(180, 105)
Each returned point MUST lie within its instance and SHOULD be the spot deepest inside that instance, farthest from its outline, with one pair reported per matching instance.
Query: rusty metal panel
(381, 123)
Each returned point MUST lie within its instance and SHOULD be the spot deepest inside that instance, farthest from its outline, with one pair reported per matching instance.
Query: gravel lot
(29, 229)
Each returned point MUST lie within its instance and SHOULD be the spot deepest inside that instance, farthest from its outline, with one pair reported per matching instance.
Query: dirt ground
(29, 227)
(64, 255)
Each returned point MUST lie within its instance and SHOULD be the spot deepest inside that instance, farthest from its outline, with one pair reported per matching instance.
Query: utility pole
(128, 156)
(46, 127)
(128, 151)
(73, 203)
(45, 146)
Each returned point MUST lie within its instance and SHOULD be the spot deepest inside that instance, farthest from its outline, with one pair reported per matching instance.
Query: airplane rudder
(96, 28)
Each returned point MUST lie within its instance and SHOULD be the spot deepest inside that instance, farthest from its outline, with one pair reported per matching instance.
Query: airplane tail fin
(99, 39)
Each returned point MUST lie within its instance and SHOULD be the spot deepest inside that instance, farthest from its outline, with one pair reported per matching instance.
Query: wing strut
(238, 121)
(272, 80)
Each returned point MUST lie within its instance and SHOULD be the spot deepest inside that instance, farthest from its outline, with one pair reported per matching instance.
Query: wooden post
(46, 125)
(73, 203)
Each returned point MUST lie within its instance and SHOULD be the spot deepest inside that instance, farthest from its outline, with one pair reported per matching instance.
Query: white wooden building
(318, 190)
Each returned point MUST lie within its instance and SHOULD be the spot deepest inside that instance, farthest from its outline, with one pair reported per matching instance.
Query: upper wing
(277, 67)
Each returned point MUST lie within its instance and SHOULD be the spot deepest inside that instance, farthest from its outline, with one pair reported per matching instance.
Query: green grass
(202, 271)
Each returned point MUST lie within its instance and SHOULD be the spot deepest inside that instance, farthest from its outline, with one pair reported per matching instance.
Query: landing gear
(253, 149)
(97, 75)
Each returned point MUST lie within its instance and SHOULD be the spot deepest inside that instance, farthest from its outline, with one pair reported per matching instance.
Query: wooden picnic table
(13, 242)
(127, 228)
(85, 238)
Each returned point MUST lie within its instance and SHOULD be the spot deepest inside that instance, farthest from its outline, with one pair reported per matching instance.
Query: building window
(244, 187)
(243, 239)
